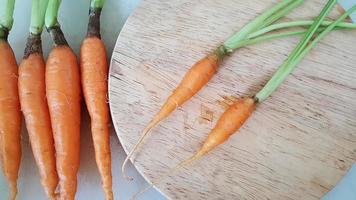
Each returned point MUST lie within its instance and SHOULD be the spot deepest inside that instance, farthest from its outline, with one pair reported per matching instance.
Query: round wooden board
(296, 145)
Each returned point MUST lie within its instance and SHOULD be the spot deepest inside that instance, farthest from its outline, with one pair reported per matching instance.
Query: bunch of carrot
(236, 115)
(201, 72)
(49, 95)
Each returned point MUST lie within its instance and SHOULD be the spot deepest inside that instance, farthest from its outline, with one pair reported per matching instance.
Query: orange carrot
(10, 117)
(35, 109)
(64, 95)
(197, 77)
(32, 92)
(94, 72)
(229, 122)
(94, 75)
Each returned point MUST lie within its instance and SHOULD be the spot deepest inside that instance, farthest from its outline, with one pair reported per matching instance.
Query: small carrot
(10, 113)
(63, 95)
(94, 74)
(202, 71)
(32, 93)
(236, 115)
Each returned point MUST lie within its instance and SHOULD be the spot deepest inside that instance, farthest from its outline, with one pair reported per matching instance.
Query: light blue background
(74, 18)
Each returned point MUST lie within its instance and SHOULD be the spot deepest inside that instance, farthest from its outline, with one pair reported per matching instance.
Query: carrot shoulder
(94, 73)
(10, 117)
(63, 95)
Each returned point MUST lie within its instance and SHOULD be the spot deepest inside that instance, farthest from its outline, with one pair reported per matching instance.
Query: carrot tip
(144, 134)
(128, 178)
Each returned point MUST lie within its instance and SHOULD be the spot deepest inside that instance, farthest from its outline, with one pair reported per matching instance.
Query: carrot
(198, 76)
(10, 114)
(201, 72)
(94, 74)
(229, 122)
(33, 101)
(10, 117)
(236, 115)
(63, 95)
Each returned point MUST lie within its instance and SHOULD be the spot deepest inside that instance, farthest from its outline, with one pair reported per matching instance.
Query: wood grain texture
(298, 143)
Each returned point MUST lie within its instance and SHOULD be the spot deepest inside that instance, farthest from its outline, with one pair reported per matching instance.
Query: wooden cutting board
(298, 143)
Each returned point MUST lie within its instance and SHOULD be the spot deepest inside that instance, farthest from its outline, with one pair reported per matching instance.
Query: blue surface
(345, 189)
(347, 4)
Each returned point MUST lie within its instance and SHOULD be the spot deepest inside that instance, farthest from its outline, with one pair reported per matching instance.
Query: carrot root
(10, 118)
(94, 72)
(197, 77)
(145, 132)
(63, 96)
(230, 121)
(35, 110)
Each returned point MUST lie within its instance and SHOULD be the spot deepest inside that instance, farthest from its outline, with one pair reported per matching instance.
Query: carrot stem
(310, 33)
(268, 37)
(282, 13)
(230, 43)
(300, 51)
(97, 3)
(271, 37)
(52, 13)
(6, 18)
(283, 25)
(37, 16)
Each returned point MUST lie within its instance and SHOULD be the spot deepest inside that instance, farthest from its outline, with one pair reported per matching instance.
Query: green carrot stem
(267, 37)
(97, 3)
(37, 16)
(6, 18)
(288, 67)
(282, 13)
(229, 44)
(283, 25)
(310, 33)
(52, 13)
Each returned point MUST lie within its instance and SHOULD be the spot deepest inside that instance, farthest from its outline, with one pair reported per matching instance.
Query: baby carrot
(235, 116)
(32, 93)
(202, 71)
(63, 95)
(10, 114)
(94, 74)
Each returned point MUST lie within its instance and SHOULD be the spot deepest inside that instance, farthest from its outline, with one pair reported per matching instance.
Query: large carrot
(201, 72)
(32, 92)
(10, 114)
(63, 95)
(235, 116)
(94, 74)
